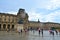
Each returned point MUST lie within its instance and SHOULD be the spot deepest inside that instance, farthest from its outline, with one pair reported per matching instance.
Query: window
(8, 26)
(12, 26)
(4, 26)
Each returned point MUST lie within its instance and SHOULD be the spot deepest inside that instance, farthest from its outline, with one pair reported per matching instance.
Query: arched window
(8, 26)
(12, 26)
(21, 21)
(4, 26)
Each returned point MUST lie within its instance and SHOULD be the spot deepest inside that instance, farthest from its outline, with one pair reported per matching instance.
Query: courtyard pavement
(28, 36)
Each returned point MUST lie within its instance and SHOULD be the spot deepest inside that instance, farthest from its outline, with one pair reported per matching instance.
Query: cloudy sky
(44, 10)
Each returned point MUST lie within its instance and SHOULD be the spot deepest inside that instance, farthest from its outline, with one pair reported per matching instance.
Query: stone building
(35, 24)
(10, 21)
(44, 25)
(48, 25)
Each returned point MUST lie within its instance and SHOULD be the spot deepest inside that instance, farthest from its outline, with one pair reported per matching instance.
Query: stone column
(10, 26)
(15, 27)
(6, 27)
(1, 26)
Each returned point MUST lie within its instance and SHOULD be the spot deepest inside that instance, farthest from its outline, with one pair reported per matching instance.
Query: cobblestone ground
(27, 36)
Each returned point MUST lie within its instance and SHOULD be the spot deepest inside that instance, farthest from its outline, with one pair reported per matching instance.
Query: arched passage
(12, 27)
(4, 26)
(8, 26)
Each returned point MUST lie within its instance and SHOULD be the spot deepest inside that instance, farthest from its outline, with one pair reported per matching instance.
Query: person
(33, 31)
(25, 31)
(42, 31)
(56, 32)
(50, 31)
(59, 31)
(19, 31)
(39, 30)
(53, 32)
(8, 30)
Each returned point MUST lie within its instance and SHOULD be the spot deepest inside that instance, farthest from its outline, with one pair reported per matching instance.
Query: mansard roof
(51, 23)
(34, 22)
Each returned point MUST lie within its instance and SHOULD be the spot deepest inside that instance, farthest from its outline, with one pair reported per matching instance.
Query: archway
(12, 27)
(8, 26)
(4, 26)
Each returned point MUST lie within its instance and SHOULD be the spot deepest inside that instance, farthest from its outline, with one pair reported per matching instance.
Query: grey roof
(34, 22)
(51, 23)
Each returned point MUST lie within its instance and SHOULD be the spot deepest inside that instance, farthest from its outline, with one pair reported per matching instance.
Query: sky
(44, 10)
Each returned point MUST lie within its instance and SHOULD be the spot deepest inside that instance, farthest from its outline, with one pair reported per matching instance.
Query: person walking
(56, 32)
(59, 31)
(19, 31)
(42, 31)
(39, 30)
(53, 32)
(25, 31)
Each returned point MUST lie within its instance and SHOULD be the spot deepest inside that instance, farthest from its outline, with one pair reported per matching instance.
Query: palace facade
(44, 25)
(11, 22)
